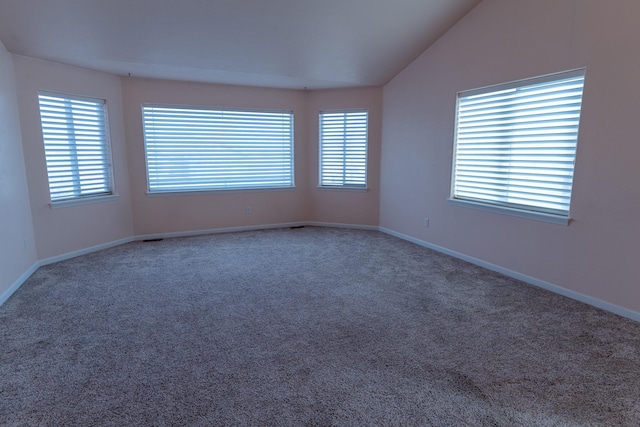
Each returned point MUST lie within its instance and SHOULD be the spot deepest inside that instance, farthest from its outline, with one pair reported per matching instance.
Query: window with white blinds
(199, 149)
(516, 144)
(76, 146)
(343, 149)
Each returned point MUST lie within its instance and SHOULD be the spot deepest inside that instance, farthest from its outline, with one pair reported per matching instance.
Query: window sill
(554, 219)
(219, 191)
(342, 188)
(83, 201)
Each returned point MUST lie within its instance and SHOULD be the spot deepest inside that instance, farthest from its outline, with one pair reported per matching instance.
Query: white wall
(16, 227)
(63, 230)
(501, 41)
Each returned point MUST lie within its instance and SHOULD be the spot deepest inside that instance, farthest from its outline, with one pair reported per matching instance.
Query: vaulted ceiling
(274, 43)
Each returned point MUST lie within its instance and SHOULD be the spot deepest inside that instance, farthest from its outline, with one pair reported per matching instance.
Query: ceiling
(274, 43)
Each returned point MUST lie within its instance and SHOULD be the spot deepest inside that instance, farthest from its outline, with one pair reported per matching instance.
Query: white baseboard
(587, 299)
(216, 231)
(62, 257)
(84, 251)
(613, 308)
(23, 278)
(252, 228)
(340, 225)
(19, 281)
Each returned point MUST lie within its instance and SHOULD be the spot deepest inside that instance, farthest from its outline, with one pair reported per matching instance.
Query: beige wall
(505, 40)
(53, 233)
(68, 229)
(16, 228)
(499, 41)
(186, 212)
(346, 206)
(65, 230)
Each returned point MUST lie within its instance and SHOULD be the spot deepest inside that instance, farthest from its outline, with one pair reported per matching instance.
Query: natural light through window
(516, 144)
(76, 146)
(199, 149)
(343, 149)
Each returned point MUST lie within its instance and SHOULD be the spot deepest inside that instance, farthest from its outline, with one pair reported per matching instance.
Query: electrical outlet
(248, 210)
(426, 222)
(26, 244)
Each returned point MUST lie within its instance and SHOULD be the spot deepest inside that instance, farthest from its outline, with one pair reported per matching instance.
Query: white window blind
(76, 148)
(343, 148)
(197, 149)
(516, 143)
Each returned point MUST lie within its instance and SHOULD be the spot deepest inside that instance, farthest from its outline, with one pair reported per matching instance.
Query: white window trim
(506, 209)
(554, 219)
(91, 198)
(83, 201)
(225, 190)
(344, 187)
(178, 191)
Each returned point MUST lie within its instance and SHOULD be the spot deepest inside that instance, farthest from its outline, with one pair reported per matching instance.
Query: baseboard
(341, 225)
(85, 251)
(613, 308)
(216, 231)
(111, 244)
(252, 228)
(23, 278)
(604, 305)
(14, 287)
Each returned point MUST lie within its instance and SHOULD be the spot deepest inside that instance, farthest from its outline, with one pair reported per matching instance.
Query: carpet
(306, 327)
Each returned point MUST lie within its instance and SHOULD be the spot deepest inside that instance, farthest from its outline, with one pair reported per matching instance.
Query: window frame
(343, 186)
(212, 189)
(520, 210)
(107, 169)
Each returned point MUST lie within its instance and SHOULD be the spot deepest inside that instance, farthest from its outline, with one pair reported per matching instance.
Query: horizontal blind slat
(516, 146)
(76, 150)
(343, 148)
(207, 149)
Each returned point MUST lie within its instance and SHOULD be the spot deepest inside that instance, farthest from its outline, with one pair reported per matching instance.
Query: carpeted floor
(305, 327)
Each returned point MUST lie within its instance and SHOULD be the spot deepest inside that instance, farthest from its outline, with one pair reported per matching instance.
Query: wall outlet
(426, 222)
(248, 210)
(26, 244)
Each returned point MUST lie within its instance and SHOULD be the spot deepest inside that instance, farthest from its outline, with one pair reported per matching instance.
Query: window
(515, 145)
(198, 149)
(75, 136)
(343, 149)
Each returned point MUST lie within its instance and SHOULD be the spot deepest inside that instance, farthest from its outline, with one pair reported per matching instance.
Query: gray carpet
(305, 327)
